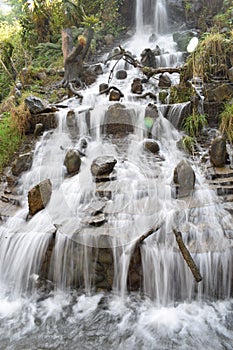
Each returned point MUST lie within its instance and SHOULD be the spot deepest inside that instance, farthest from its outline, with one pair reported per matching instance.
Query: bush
(226, 123)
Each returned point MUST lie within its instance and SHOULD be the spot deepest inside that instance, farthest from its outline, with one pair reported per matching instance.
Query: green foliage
(180, 93)
(194, 123)
(226, 124)
(10, 138)
(188, 143)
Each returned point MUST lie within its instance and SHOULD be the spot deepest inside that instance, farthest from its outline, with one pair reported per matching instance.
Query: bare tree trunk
(73, 59)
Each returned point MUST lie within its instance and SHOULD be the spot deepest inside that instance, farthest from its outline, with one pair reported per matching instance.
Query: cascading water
(56, 268)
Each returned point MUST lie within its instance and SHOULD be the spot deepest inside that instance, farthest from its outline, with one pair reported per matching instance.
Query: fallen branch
(187, 256)
(142, 238)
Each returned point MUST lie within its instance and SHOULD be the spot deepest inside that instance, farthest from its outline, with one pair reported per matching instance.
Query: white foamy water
(170, 311)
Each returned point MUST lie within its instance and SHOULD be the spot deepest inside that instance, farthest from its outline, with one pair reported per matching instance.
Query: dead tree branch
(187, 256)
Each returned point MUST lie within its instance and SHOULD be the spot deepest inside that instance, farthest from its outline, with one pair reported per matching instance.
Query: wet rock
(72, 161)
(121, 74)
(151, 146)
(39, 128)
(103, 87)
(103, 165)
(115, 95)
(71, 123)
(164, 81)
(152, 38)
(49, 121)
(98, 69)
(148, 58)
(22, 163)
(184, 178)
(136, 86)
(97, 220)
(39, 196)
(118, 120)
(218, 152)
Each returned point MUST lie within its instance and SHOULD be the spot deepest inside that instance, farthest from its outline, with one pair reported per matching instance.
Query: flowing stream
(170, 310)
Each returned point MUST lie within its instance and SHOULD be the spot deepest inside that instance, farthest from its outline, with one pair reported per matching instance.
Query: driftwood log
(187, 256)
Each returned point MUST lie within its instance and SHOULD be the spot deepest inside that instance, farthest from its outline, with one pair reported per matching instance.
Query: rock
(41, 76)
(230, 74)
(118, 120)
(184, 177)
(182, 39)
(164, 81)
(49, 121)
(72, 161)
(103, 87)
(97, 220)
(103, 165)
(39, 196)
(22, 163)
(114, 95)
(151, 145)
(121, 74)
(39, 128)
(152, 38)
(98, 69)
(36, 105)
(218, 152)
(148, 58)
(89, 76)
(136, 86)
(72, 124)
(218, 93)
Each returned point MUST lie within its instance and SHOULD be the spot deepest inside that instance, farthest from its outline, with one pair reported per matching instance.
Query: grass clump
(226, 121)
(194, 123)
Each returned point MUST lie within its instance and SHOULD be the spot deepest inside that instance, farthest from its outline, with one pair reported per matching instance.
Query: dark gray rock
(72, 161)
(218, 152)
(121, 74)
(151, 145)
(184, 178)
(22, 163)
(103, 165)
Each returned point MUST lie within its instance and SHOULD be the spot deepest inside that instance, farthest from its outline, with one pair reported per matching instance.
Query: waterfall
(99, 267)
(152, 13)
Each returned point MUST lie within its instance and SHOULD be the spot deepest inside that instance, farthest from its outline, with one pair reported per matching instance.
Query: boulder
(218, 93)
(72, 124)
(89, 76)
(103, 165)
(121, 74)
(103, 87)
(39, 128)
(49, 121)
(118, 120)
(39, 196)
(115, 95)
(164, 81)
(218, 152)
(182, 39)
(151, 146)
(72, 161)
(148, 58)
(136, 86)
(184, 179)
(22, 163)
(36, 105)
